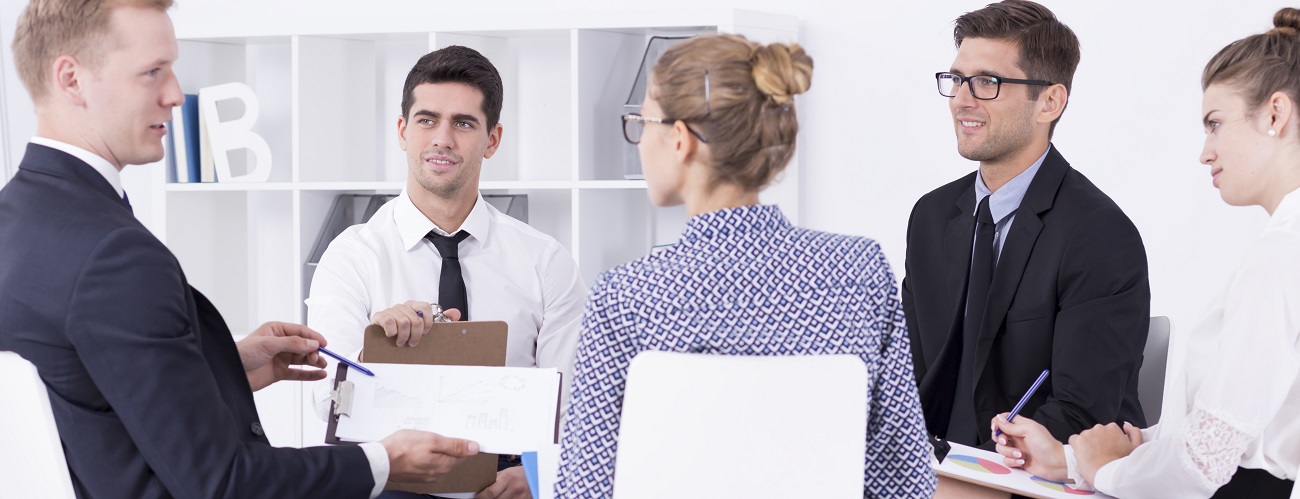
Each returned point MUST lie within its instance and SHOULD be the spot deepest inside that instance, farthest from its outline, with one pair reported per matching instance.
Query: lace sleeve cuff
(1213, 447)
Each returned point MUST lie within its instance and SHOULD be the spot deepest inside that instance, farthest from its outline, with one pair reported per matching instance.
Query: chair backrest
(741, 426)
(1295, 490)
(32, 463)
(1155, 360)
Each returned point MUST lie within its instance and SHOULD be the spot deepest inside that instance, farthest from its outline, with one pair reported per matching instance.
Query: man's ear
(66, 77)
(401, 132)
(1052, 103)
(494, 141)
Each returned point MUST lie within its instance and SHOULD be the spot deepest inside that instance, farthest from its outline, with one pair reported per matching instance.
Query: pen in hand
(351, 364)
(1021, 405)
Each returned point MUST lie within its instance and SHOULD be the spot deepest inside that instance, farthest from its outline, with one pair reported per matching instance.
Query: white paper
(506, 410)
(548, 469)
(981, 466)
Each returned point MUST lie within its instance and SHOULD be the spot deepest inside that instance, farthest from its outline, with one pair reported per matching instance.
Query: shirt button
(257, 429)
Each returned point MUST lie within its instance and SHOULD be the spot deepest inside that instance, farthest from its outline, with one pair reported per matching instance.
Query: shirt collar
(732, 222)
(412, 225)
(1286, 211)
(101, 165)
(1008, 197)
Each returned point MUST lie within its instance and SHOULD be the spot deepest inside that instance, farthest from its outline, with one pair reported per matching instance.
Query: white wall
(17, 121)
(876, 135)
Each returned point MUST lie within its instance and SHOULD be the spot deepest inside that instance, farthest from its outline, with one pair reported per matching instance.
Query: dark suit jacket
(1069, 293)
(148, 391)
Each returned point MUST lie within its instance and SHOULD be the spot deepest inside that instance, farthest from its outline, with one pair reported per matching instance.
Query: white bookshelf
(330, 91)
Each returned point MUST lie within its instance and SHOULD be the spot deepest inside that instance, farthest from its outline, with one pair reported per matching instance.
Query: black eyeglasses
(634, 126)
(982, 87)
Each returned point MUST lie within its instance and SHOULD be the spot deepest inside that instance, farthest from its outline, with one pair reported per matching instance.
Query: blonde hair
(1261, 64)
(48, 29)
(748, 117)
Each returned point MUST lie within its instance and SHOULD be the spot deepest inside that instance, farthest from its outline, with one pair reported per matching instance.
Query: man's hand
(511, 484)
(423, 457)
(1099, 445)
(409, 321)
(269, 353)
(1028, 445)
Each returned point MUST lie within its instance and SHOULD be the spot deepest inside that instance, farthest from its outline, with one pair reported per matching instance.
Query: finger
(304, 375)
(1017, 429)
(314, 359)
(385, 320)
(424, 310)
(452, 314)
(1009, 451)
(455, 447)
(299, 330)
(493, 491)
(416, 324)
(1134, 433)
(403, 324)
(289, 344)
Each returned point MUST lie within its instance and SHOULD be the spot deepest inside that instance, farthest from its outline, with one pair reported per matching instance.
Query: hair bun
(781, 71)
(1287, 21)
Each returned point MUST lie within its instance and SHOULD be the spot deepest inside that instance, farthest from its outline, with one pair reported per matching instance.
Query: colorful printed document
(985, 468)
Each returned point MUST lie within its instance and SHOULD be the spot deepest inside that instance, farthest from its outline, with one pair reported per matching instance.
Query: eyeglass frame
(629, 117)
(940, 76)
(708, 110)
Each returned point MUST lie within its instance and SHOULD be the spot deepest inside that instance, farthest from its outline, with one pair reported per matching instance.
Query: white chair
(730, 426)
(32, 463)
(1295, 490)
(1155, 360)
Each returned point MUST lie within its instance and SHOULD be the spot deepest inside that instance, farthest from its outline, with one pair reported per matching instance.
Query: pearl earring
(1272, 132)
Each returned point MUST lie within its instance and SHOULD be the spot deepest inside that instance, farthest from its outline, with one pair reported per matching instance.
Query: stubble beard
(1005, 143)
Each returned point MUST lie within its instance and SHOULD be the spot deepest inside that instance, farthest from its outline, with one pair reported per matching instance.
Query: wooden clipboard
(447, 343)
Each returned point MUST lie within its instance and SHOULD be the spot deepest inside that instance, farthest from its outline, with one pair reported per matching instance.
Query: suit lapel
(940, 379)
(1016, 249)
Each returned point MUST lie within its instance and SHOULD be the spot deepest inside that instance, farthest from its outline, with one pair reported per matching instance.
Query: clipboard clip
(342, 397)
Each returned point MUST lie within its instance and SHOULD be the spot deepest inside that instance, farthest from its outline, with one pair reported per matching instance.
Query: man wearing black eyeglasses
(1023, 265)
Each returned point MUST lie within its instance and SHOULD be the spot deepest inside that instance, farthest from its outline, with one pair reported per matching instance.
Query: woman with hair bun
(718, 124)
(1238, 435)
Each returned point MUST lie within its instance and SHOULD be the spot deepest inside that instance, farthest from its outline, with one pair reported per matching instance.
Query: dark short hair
(1048, 49)
(457, 64)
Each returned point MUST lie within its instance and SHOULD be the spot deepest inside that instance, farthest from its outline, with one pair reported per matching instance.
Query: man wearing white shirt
(151, 395)
(439, 242)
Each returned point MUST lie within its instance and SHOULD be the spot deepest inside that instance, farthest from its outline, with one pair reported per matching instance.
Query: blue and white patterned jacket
(745, 281)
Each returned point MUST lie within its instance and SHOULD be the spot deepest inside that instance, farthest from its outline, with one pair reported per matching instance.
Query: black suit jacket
(148, 391)
(1069, 293)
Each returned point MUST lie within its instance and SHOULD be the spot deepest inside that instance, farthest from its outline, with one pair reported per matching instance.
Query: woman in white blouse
(1239, 433)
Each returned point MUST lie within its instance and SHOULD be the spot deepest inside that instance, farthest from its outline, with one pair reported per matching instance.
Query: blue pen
(351, 364)
(1020, 405)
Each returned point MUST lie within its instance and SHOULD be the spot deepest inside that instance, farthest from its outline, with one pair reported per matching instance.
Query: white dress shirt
(1241, 380)
(375, 452)
(513, 273)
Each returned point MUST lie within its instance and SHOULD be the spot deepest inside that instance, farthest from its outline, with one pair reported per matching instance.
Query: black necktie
(963, 428)
(127, 201)
(451, 286)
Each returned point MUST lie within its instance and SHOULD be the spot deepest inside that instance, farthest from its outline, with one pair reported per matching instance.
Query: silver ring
(438, 316)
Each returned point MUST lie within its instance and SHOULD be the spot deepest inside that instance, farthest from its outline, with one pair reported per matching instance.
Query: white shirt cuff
(320, 395)
(378, 457)
(1106, 475)
(1072, 471)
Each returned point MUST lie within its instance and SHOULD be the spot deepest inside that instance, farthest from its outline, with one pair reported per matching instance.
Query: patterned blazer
(745, 281)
